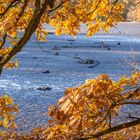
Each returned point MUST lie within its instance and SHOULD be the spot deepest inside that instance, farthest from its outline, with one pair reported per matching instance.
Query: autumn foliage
(92, 110)
(8, 109)
(19, 19)
(94, 107)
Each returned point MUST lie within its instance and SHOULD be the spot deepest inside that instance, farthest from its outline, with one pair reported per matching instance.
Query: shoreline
(127, 28)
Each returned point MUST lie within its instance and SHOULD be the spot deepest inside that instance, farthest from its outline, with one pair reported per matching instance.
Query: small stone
(34, 58)
(76, 57)
(96, 64)
(91, 66)
(47, 71)
(55, 48)
(87, 61)
(43, 88)
(118, 43)
(71, 40)
(56, 53)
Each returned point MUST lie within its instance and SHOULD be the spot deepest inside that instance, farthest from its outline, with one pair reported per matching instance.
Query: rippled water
(21, 83)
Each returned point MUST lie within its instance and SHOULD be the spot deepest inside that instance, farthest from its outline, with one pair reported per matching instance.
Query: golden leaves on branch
(65, 16)
(86, 109)
(7, 115)
(3, 54)
(83, 111)
(97, 15)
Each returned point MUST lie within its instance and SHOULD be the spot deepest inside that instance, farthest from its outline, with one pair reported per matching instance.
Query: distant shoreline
(126, 28)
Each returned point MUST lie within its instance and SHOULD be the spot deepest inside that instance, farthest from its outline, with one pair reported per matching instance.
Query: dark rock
(56, 53)
(34, 58)
(55, 48)
(87, 61)
(69, 47)
(50, 33)
(47, 71)
(102, 46)
(108, 49)
(71, 40)
(43, 88)
(76, 57)
(118, 43)
(96, 64)
(91, 66)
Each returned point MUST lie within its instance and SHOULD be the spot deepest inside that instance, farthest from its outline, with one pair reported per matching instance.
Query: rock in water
(34, 58)
(87, 61)
(96, 64)
(56, 53)
(118, 43)
(43, 88)
(47, 71)
(76, 57)
(71, 40)
(55, 48)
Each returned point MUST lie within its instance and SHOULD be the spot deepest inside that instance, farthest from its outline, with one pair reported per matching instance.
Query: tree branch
(9, 6)
(113, 129)
(58, 6)
(3, 40)
(33, 23)
(132, 102)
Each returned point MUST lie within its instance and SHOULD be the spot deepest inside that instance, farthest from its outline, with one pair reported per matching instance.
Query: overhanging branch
(113, 129)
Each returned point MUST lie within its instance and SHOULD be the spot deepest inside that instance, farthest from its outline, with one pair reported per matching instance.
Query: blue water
(21, 83)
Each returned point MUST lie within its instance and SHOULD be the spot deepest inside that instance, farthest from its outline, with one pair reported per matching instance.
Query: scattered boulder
(71, 40)
(34, 58)
(55, 48)
(43, 88)
(56, 53)
(77, 57)
(47, 71)
(50, 33)
(104, 46)
(101, 46)
(69, 46)
(96, 64)
(87, 61)
(118, 43)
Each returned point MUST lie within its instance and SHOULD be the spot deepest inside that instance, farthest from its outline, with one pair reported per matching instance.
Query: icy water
(21, 83)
